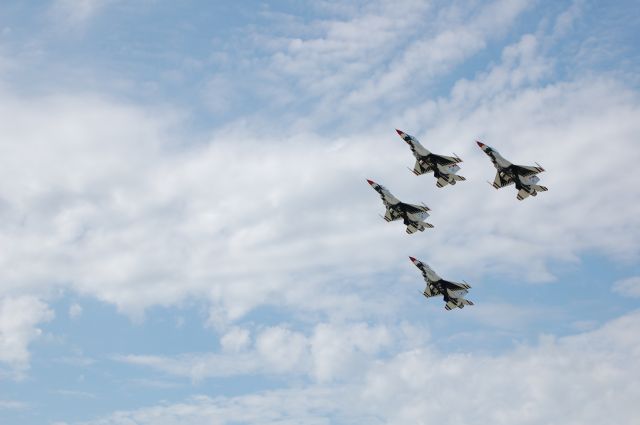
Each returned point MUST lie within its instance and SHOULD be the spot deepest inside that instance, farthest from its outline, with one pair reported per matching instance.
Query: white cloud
(340, 351)
(75, 310)
(330, 352)
(19, 317)
(132, 220)
(560, 380)
(117, 202)
(197, 367)
(629, 287)
(579, 379)
(565, 21)
(236, 339)
(368, 59)
(281, 407)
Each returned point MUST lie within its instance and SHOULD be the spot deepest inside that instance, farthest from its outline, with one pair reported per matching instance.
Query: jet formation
(445, 170)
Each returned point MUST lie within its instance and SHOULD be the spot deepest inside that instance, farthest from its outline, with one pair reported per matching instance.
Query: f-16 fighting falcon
(413, 215)
(453, 292)
(524, 177)
(444, 167)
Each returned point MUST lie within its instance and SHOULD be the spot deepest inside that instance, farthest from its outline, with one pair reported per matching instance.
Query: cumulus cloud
(75, 310)
(328, 353)
(235, 339)
(135, 219)
(578, 379)
(118, 202)
(19, 317)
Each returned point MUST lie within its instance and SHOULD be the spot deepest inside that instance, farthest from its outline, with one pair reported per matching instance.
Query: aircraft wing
(413, 227)
(445, 160)
(419, 169)
(411, 208)
(391, 215)
(431, 291)
(455, 286)
(526, 170)
(502, 180)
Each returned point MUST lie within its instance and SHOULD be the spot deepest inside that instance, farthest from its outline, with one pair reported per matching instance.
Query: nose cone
(482, 145)
(412, 259)
(400, 132)
(371, 182)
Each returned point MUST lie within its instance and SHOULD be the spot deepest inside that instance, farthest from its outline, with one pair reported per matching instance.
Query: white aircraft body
(453, 292)
(444, 167)
(524, 177)
(412, 215)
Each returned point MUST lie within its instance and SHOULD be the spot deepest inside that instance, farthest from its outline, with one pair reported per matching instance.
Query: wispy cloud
(75, 394)
(629, 287)
(13, 405)
(77, 13)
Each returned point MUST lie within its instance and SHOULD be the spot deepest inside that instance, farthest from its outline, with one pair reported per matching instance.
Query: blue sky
(187, 235)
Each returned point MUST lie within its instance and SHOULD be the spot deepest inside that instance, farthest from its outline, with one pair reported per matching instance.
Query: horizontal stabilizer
(441, 182)
(522, 194)
(412, 229)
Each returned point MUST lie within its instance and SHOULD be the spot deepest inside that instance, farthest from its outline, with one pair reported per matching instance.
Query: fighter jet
(524, 177)
(453, 292)
(413, 215)
(444, 167)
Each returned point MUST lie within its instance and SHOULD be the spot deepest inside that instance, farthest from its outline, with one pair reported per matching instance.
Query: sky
(187, 235)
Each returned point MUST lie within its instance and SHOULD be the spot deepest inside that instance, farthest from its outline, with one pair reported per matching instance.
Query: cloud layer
(577, 379)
